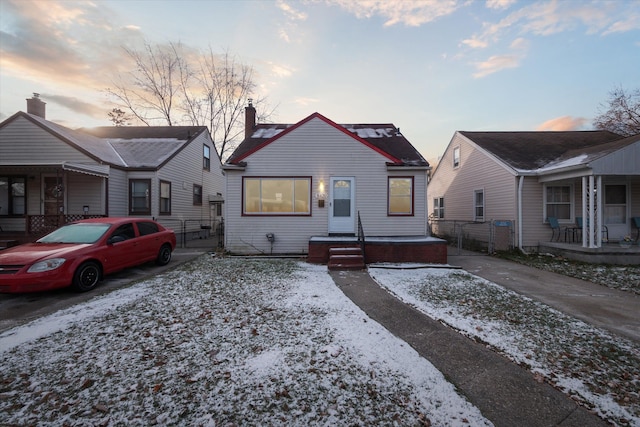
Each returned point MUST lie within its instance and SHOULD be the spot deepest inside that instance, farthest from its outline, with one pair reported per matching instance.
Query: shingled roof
(535, 150)
(145, 146)
(385, 138)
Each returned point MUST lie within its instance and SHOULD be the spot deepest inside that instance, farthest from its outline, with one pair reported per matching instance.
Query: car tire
(164, 256)
(86, 276)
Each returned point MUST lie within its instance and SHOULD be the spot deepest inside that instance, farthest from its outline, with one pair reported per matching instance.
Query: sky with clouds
(430, 67)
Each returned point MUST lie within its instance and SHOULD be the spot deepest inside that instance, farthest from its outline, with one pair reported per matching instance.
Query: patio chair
(605, 229)
(555, 228)
(636, 223)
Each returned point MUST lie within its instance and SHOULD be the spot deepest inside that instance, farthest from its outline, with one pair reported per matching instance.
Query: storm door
(615, 210)
(53, 200)
(342, 205)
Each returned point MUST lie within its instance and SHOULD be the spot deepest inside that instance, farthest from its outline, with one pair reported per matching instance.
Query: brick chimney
(35, 106)
(249, 119)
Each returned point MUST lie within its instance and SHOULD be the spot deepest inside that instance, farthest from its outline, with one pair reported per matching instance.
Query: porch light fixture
(321, 195)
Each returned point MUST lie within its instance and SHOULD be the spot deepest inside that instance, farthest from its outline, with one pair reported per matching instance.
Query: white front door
(615, 210)
(342, 205)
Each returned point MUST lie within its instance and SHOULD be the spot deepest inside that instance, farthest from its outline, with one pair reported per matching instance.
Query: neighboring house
(50, 174)
(286, 184)
(526, 177)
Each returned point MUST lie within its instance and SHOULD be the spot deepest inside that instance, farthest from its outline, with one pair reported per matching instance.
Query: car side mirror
(115, 239)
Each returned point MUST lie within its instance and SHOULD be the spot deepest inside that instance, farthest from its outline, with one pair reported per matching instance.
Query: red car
(81, 253)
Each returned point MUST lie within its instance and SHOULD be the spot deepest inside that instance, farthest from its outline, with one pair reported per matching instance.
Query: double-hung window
(276, 196)
(438, 207)
(140, 197)
(12, 195)
(478, 205)
(206, 157)
(400, 193)
(558, 201)
(197, 195)
(165, 198)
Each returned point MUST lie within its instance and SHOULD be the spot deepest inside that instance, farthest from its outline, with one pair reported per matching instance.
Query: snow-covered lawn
(221, 342)
(598, 369)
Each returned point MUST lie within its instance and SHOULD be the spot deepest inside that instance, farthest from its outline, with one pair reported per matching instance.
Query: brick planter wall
(418, 250)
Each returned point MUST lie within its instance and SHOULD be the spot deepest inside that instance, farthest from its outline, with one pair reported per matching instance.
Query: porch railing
(40, 224)
(361, 236)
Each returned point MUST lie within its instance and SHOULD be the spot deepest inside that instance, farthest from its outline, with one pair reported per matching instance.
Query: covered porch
(35, 199)
(595, 210)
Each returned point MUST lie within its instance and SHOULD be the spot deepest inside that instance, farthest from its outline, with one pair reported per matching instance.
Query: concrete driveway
(610, 309)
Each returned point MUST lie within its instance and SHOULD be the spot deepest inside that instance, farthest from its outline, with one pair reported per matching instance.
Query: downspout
(520, 185)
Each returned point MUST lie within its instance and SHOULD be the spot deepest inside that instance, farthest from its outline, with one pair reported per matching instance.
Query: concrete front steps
(346, 258)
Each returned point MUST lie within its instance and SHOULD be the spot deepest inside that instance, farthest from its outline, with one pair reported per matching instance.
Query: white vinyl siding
(318, 150)
(458, 186)
(31, 144)
(183, 172)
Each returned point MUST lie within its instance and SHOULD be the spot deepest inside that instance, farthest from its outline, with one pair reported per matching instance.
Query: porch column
(585, 198)
(598, 220)
(591, 211)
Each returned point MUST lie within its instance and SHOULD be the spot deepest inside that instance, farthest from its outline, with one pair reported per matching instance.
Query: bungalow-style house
(50, 175)
(307, 187)
(589, 181)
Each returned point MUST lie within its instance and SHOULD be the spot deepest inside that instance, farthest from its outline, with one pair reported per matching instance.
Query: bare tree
(173, 86)
(622, 115)
(119, 117)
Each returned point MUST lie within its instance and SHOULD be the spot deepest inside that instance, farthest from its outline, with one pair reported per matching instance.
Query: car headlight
(46, 265)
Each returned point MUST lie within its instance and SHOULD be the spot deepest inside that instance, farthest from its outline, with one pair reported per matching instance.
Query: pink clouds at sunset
(563, 123)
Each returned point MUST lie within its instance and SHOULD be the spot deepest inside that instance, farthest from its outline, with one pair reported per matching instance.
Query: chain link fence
(488, 236)
(196, 233)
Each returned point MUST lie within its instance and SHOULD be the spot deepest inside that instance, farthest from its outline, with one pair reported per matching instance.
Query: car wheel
(164, 256)
(86, 276)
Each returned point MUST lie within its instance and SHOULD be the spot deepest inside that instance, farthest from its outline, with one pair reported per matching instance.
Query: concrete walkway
(505, 393)
(610, 309)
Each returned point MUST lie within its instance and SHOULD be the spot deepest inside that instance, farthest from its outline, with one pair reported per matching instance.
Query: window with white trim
(197, 195)
(478, 205)
(276, 196)
(558, 201)
(438, 207)
(206, 157)
(456, 157)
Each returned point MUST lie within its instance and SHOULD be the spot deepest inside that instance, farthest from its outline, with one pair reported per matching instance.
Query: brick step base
(349, 258)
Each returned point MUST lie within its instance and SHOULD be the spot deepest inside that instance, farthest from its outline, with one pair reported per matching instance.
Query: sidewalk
(505, 393)
(610, 309)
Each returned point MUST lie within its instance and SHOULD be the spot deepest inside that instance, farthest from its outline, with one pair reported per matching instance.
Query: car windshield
(76, 233)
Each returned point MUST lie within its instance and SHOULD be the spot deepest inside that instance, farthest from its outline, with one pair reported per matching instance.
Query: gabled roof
(87, 144)
(535, 150)
(126, 146)
(531, 151)
(383, 138)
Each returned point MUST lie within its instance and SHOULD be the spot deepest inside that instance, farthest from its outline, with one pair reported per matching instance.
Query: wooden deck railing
(41, 224)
